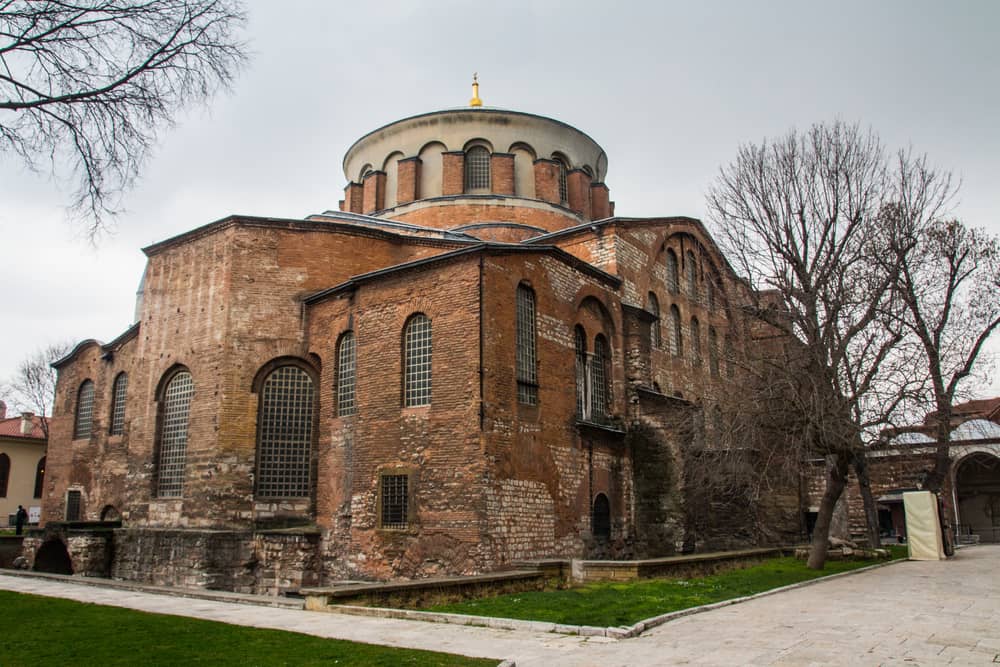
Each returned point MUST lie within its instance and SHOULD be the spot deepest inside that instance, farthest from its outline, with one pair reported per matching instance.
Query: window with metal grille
(118, 404)
(527, 367)
(284, 434)
(582, 402)
(695, 341)
(39, 477)
(417, 361)
(599, 378)
(173, 435)
(563, 190)
(654, 326)
(691, 275)
(673, 283)
(4, 474)
(601, 518)
(477, 169)
(713, 352)
(395, 501)
(676, 334)
(84, 410)
(74, 501)
(346, 360)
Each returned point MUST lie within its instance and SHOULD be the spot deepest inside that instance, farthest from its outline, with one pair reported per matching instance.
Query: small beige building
(22, 464)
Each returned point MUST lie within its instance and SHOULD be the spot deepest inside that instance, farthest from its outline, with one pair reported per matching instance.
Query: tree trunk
(871, 510)
(942, 454)
(835, 482)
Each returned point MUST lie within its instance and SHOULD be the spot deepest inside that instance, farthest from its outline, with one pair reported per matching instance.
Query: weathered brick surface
(502, 173)
(374, 192)
(407, 187)
(469, 211)
(547, 180)
(452, 173)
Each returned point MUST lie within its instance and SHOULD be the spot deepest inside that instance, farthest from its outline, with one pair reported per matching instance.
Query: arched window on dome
(477, 169)
(563, 166)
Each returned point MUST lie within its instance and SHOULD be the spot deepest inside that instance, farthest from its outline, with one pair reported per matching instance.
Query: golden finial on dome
(475, 101)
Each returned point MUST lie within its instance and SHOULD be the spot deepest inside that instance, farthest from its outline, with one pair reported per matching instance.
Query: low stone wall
(87, 546)
(671, 566)
(10, 548)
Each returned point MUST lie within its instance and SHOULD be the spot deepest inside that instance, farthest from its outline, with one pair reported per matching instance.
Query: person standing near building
(20, 519)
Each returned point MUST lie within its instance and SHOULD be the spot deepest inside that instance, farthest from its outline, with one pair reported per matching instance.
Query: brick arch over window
(417, 348)
(174, 396)
(286, 389)
(84, 419)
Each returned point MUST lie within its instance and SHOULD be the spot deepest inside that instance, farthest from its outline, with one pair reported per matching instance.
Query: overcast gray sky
(669, 89)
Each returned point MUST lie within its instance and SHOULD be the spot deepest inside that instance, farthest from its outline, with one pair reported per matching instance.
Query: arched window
(713, 352)
(118, 404)
(691, 275)
(599, 393)
(527, 362)
(176, 405)
(4, 474)
(580, 348)
(710, 290)
(346, 375)
(417, 361)
(39, 478)
(600, 520)
(654, 326)
(673, 282)
(284, 434)
(563, 188)
(730, 351)
(676, 334)
(477, 169)
(695, 341)
(84, 410)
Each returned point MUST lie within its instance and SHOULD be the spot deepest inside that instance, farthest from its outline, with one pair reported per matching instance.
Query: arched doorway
(601, 518)
(977, 490)
(53, 557)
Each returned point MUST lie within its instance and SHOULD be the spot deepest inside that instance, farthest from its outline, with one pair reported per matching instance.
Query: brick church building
(471, 363)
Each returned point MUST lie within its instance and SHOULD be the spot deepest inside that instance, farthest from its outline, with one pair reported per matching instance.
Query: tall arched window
(654, 326)
(84, 410)
(710, 290)
(39, 478)
(600, 375)
(175, 409)
(673, 282)
(118, 391)
(346, 375)
(691, 275)
(580, 349)
(4, 474)
(417, 361)
(563, 187)
(695, 341)
(284, 434)
(477, 169)
(527, 362)
(600, 520)
(713, 352)
(676, 333)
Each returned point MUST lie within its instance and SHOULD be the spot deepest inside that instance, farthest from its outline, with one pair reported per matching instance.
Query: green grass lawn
(612, 604)
(39, 630)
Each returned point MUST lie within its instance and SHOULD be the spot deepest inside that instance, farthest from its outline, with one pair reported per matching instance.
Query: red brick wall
(408, 180)
(502, 173)
(450, 216)
(547, 180)
(600, 204)
(578, 190)
(374, 192)
(452, 173)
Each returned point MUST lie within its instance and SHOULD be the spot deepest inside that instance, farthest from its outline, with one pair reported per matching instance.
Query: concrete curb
(620, 632)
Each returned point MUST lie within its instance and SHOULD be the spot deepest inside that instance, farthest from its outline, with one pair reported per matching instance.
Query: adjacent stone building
(471, 363)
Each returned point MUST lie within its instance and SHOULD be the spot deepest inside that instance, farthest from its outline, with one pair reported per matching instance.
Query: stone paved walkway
(913, 613)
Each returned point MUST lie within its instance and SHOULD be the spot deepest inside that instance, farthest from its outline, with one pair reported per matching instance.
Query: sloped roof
(11, 428)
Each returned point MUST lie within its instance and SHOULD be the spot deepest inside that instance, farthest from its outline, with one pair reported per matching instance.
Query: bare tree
(948, 280)
(799, 217)
(87, 83)
(33, 387)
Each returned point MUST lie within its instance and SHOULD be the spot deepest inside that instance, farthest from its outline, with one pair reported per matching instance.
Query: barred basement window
(695, 341)
(713, 352)
(654, 326)
(599, 378)
(477, 169)
(417, 361)
(527, 370)
(582, 404)
(173, 435)
(395, 501)
(676, 335)
(74, 500)
(284, 434)
(691, 275)
(84, 410)
(673, 283)
(346, 361)
(118, 404)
